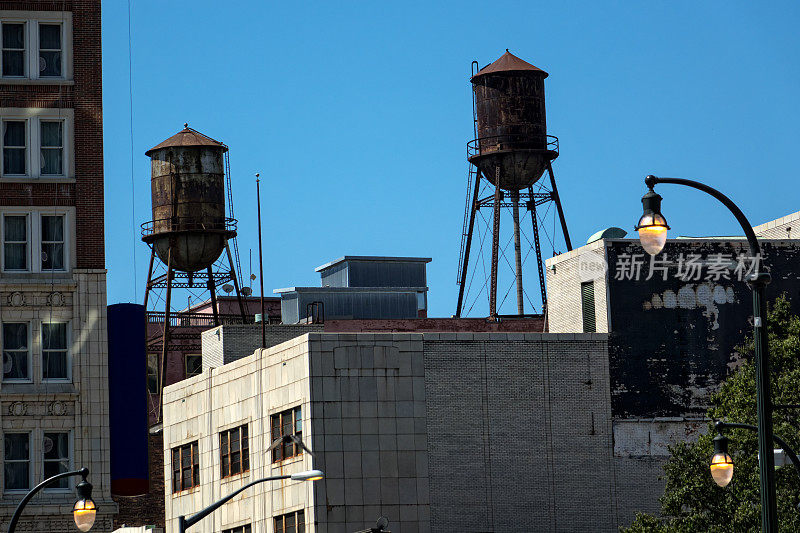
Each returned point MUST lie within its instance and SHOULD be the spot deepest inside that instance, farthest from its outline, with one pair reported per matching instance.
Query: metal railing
(172, 224)
(177, 320)
(510, 141)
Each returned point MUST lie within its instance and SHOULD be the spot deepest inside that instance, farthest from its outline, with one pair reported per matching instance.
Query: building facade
(436, 431)
(53, 395)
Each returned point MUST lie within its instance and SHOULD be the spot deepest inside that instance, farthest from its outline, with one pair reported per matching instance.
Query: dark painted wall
(674, 341)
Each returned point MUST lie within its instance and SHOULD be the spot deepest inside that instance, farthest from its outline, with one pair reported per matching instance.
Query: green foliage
(692, 501)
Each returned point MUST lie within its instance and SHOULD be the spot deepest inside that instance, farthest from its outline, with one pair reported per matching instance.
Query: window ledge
(50, 388)
(236, 477)
(29, 81)
(27, 179)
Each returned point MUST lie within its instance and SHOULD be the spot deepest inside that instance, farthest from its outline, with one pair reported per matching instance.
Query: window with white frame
(56, 457)
(15, 148)
(36, 143)
(37, 241)
(52, 242)
(15, 243)
(55, 360)
(51, 140)
(36, 45)
(16, 461)
(13, 59)
(16, 355)
(50, 56)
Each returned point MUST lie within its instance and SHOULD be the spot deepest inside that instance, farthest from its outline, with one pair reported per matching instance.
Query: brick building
(53, 395)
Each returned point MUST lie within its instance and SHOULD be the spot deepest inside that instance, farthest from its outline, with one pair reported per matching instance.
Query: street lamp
(83, 512)
(308, 475)
(721, 462)
(185, 523)
(652, 229)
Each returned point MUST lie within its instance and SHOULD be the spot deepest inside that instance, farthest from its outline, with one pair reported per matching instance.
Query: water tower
(510, 152)
(189, 231)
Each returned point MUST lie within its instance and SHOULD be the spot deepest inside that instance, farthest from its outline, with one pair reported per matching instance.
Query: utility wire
(133, 183)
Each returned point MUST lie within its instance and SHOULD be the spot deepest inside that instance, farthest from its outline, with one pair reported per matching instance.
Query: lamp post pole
(185, 523)
(758, 283)
(84, 489)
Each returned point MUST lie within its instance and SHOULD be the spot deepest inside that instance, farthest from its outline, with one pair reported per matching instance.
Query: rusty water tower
(511, 151)
(189, 231)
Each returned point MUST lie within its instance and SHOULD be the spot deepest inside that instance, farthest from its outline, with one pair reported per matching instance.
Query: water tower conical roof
(187, 137)
(508, 62)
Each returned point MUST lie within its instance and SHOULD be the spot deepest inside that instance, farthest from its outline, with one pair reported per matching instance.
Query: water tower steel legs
(468, 246)
(539, 262)
(495, 244)
(236, 284)
(212, 290)
(557, 200)
(517, 251)
(162, 376)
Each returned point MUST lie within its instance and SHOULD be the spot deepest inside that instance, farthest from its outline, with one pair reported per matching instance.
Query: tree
(692, 502)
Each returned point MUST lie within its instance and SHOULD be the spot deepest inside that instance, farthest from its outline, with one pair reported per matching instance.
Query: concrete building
(435, 431)
(53, 395)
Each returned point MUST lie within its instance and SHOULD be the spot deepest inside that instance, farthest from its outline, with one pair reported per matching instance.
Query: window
(16, 363)
(194, 365)
(55, 447)
(185, 467)
(152, 373)
(15, 152)
(16, 461)
(587, 307)
(15, 242)
(54, 351)
(240, 529)
(13, 49)
(51, 136)
(291, 523)
(234, 451)
(289, 422)
(52, 242)
(50, 50)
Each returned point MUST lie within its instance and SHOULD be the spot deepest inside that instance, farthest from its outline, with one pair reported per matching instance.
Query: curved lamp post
(652, 228)
(722, 464)
(83, 512)
(185, 523)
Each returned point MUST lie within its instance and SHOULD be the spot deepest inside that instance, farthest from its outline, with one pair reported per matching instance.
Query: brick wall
(148, 509)
(228, 343)
(787, 227)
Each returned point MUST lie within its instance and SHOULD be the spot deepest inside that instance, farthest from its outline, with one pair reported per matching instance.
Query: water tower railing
(174, 224)
(511, 141)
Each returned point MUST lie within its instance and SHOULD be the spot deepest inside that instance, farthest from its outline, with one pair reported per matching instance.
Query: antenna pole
(261, 264)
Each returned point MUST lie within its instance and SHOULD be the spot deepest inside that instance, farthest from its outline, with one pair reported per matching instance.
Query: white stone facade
(77, 405)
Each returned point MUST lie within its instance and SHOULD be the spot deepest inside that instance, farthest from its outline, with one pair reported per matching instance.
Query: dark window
(15, 242)
(15, 352)
(240, 529)
(152, 373)
(291, 523)
(54, 351)
(289, 422)
(55, 447)
(234, 451)
(587, 307)
(194, 365)
(52, 242)
(52, 147)
(16, 461)
(14, 49)
(49, 50)
(185, 467)
(14, 148)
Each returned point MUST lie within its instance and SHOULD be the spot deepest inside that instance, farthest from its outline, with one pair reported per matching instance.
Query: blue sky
(356, 114)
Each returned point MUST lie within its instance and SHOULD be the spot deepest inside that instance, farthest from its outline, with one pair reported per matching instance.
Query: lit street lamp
(652, 228)
(83, 512)
(722, 464)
